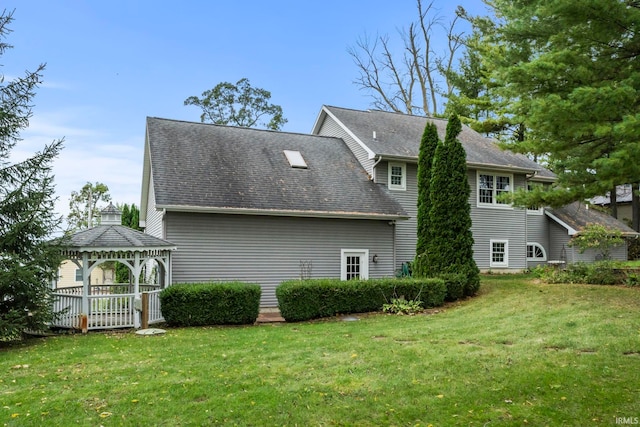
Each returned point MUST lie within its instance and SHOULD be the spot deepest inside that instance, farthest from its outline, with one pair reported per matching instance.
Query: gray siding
(559, 237)
(490, 223)
(406, 231)
(268, 249)
(330, 128)
(154, 217)
(558, 240)
(538, 232)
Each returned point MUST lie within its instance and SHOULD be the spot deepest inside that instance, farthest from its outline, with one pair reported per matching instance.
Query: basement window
(295, 159)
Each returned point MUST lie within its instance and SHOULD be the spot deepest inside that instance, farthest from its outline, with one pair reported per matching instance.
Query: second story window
(491, 187)
(397, 176)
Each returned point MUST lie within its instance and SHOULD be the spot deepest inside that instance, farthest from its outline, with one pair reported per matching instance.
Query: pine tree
(568, 72)
(450, 249)
(428, 146)
(28, 259)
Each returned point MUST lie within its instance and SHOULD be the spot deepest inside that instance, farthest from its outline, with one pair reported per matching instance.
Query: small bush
(199, 304)
(595, 273)
(310, 299)
(402, 306)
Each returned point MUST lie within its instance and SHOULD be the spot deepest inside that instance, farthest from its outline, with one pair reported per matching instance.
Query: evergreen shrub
(200, 304)
(311, 299)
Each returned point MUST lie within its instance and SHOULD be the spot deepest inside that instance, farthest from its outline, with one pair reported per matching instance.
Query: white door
(354, 264)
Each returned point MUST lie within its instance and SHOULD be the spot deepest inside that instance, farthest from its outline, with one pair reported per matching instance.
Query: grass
(521, 353)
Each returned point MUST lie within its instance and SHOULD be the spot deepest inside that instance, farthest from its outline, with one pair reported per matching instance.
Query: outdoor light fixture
(375, 258)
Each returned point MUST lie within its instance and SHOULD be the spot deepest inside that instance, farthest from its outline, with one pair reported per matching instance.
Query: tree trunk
(635, 206)
(613, 202)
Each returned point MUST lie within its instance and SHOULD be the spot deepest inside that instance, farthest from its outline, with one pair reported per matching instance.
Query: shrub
(402, 306)
(310, 299)
(199, 304)
(595, 273)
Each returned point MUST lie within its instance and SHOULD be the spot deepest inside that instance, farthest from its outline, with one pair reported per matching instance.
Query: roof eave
(283, 212)
(571, 231)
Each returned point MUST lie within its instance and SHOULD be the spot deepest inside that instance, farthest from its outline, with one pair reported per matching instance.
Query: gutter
(282, 212)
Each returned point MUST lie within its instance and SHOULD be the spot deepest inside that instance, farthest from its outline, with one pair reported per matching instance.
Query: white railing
(154, 313)
(106, 310)
(68, 308)
(114, 288)
(113, 311)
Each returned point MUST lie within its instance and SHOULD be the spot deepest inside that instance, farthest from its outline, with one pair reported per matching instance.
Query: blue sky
(110, 64)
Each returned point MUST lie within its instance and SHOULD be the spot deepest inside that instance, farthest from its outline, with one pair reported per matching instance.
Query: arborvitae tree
(428, 146)
(130, 218)
(450, 248)
(28, 259)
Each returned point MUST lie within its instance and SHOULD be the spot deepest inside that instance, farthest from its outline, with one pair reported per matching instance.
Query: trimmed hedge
(199, 304)
(311, 299)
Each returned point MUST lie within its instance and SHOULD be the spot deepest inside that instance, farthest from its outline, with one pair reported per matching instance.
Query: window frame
(494, 191)
(403, 185)
(538, 245)
(78, 275)
(503, 264)
(364, 262)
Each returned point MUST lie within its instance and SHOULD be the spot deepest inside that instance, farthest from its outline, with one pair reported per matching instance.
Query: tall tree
(84, 211)
(28, 260)
(428, 145)
(414, 81)
(450, 248)
(130, 218)
(238, 104)
(569, 72)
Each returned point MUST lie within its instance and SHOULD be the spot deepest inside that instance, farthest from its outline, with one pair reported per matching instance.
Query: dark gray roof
(116, 237)
(399, 135)
(576, 216)
(198, 166)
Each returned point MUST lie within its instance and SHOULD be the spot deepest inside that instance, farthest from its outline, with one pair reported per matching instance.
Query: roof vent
(295, 159)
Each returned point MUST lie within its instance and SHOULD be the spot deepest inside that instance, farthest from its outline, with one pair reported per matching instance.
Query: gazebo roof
(111, 236)
(114, 238)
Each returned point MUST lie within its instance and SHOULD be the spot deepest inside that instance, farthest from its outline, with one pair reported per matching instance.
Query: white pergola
(110, 241)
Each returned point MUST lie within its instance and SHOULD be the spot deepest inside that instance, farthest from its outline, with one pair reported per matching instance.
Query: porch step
(270, 315)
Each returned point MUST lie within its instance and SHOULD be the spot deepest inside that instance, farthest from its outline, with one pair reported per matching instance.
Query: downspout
(373, 169)
(526, 224)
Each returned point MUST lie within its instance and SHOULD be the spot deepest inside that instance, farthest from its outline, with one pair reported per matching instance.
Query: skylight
(295, 159)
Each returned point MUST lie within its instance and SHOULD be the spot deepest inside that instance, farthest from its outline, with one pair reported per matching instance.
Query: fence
(106, 311)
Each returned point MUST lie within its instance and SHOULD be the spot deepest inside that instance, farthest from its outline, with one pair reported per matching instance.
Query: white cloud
(90, 154)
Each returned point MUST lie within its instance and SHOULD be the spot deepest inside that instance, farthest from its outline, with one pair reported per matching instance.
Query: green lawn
(520, 353)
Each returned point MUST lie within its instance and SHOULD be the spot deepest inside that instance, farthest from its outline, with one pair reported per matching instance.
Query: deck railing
(68, 308)
(153, 312)
(106, 310)
(110, 289)
(112, 311)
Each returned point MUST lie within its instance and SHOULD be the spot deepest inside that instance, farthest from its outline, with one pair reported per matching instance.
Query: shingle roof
(114, 237)
(399, 135)
(576, 216)
(198, 166)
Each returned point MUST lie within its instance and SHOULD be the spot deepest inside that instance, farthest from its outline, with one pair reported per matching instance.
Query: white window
(535, 252)
(78, 275)
(491, 186)
(397, 176)
(354, 264)
(499, 253)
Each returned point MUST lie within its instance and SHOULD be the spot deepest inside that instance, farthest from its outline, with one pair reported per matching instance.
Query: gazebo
(114, 305)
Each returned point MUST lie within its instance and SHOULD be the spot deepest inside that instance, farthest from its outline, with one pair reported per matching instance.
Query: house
(624, 197)
(264, 206)
(570, 220)
(387, 145)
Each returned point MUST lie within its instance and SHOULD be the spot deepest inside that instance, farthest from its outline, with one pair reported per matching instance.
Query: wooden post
(145, 310)
(84, 323)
